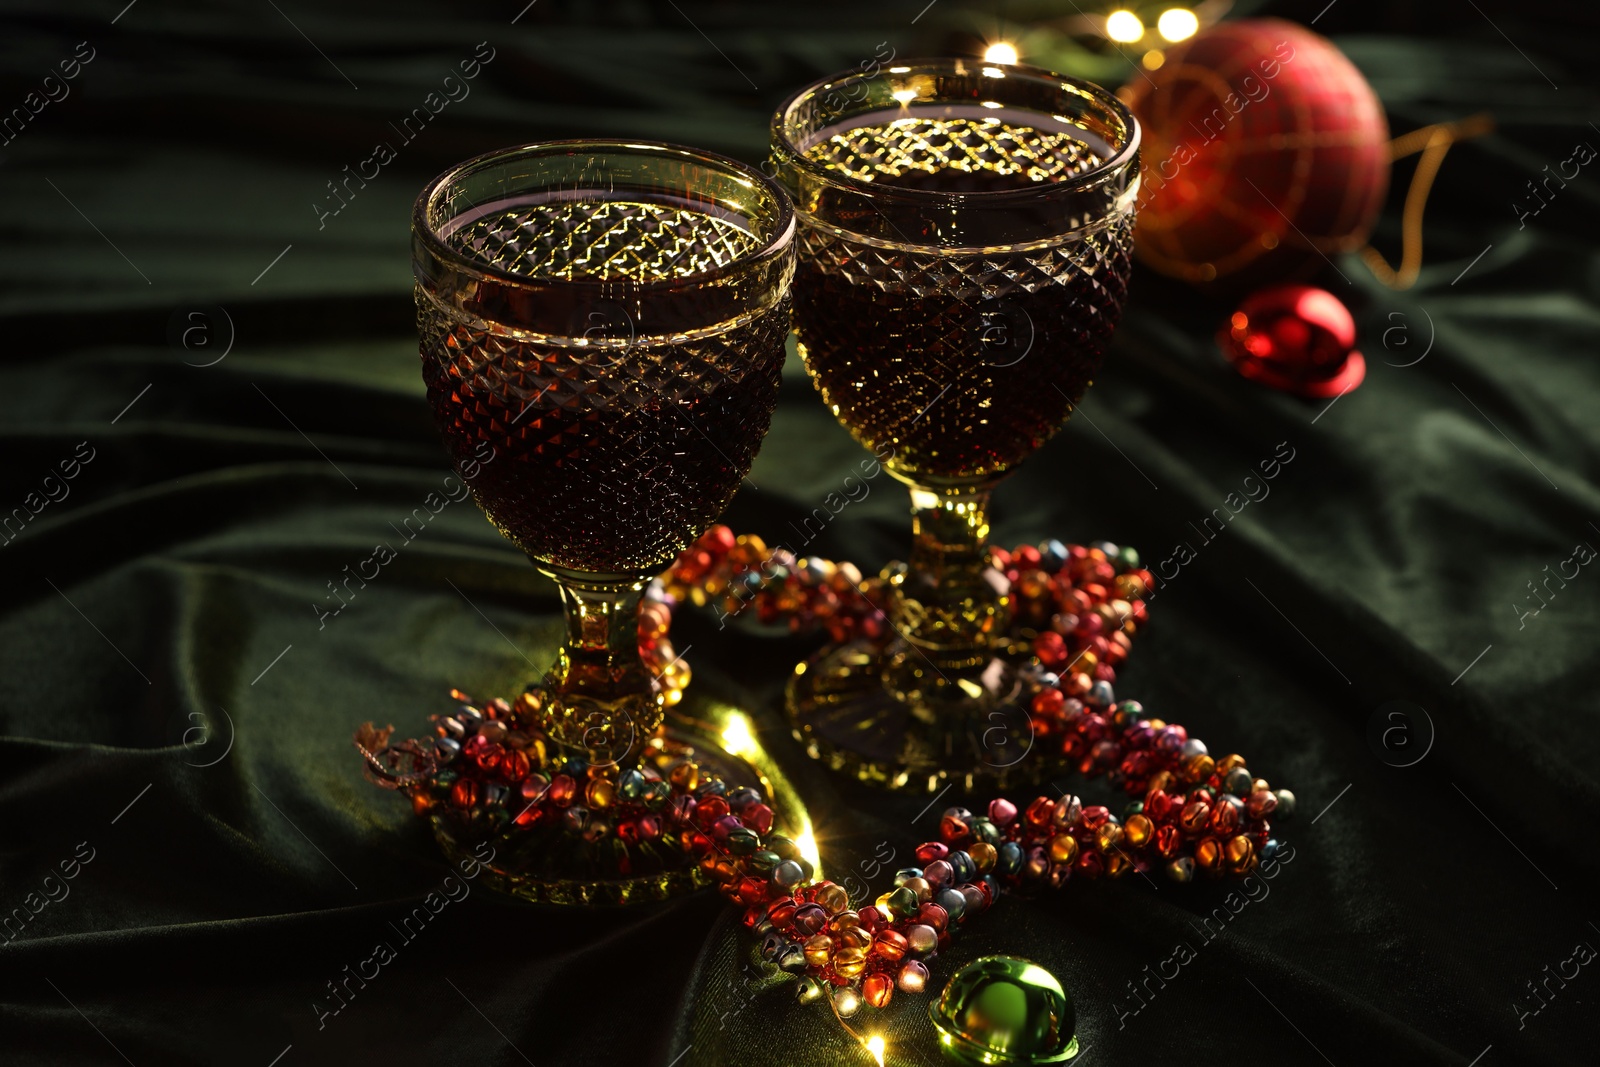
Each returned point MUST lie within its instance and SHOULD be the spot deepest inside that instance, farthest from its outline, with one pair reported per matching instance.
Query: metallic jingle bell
(792, 959)
(772, 946)
(1003, 1010)
(742, 797)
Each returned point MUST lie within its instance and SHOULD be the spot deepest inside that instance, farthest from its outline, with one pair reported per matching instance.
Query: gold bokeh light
(1177, 24)
(1003, 52)
(1124, 26)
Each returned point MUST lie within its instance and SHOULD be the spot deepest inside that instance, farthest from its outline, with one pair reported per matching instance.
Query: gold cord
(1434, 143)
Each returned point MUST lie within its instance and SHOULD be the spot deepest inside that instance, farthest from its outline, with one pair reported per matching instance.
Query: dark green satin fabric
(174, 593)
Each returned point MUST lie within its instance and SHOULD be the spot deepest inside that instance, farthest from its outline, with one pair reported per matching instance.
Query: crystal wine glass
(964, 249)
(602, 332)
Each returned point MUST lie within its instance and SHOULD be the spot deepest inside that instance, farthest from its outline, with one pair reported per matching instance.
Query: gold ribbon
(1434, 143)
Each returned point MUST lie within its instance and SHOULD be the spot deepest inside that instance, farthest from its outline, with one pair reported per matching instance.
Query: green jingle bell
(1002, 1010)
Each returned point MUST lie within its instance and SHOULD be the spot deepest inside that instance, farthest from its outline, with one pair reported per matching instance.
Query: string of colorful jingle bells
(490, 765)
(489, 769)
(1194, 816)
(1084, 604)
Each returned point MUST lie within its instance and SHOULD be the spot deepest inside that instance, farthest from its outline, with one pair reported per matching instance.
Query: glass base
(548, 868)
(888, 716)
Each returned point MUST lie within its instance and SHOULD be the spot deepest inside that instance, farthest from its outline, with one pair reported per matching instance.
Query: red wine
(610, 454)
(961, 362)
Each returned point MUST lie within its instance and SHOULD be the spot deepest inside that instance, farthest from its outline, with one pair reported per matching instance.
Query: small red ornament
(1297, 339)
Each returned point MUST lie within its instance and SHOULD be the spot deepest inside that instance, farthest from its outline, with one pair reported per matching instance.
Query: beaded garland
(1191, 814)
(1079, 606)
(1194, 815)
(489, 770)
(490, 773)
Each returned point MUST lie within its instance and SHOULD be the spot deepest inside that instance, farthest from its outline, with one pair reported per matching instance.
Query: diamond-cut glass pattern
(962, 363)
(938, 147)
(607, 240)
(608, 456)
(605, 459)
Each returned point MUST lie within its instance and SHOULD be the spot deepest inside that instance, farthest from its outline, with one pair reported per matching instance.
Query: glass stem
(600, 699)
(947, 604)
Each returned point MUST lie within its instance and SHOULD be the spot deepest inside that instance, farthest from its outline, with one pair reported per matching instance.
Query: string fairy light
(1001, 52)
(1177, 24)
(1124, 26)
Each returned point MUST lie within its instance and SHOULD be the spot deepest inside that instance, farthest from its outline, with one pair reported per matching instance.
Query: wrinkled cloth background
(171, 707)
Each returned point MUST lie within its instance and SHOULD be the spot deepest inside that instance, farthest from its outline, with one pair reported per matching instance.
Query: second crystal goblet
(965, 234)
(602, 332)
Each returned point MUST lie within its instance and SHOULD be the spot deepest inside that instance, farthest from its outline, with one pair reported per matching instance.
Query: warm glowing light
(875, 1046)
(993, 72)
(1000, 52)
(905, 96)
(806, 842)
(1153, 59)
(1177, 24)
(1124, 26)
(991, 103)
(737, 737)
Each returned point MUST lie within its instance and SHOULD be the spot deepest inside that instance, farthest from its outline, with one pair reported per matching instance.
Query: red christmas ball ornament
(1265, 151)
(1297, 339)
